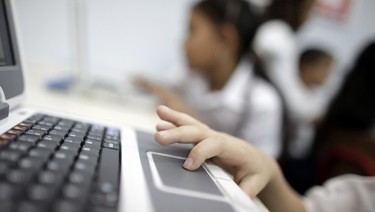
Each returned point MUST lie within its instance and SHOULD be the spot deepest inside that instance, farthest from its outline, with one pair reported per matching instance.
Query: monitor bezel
(11, 77)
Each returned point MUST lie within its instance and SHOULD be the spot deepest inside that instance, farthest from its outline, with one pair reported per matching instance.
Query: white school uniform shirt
(276, 43)
(346, 193)
(247, 107)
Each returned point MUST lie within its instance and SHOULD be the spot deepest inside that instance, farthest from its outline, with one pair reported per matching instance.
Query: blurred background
(116, 39)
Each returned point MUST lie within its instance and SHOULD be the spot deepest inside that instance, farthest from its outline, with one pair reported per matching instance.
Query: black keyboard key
(39, 192)
(84, 167)
(62, 128)
(72, 147)
(50, 178)
(96, 142)
(48, 145)
(111, 146)
(72, 191)
(53, 138)
(30, 206)
(7, 206)
(31, 163)
(59, 165)
(46, 124)
(29, 138)
(19, 176)
(77, 140)
(79, 177)
(11, 155)
(40, 127)
(96, 138)
(90, 151)
(79, 130)
(114, 138)
(61, 133)
(66, 155)
(75, 134)
(65, 206)
(40, 152)
(22, 146)
(4, 168)
(7, 191)
(112, 141)
(109, 168)
(67, 124)
(89, 158)
(92, 142)
(39, 133)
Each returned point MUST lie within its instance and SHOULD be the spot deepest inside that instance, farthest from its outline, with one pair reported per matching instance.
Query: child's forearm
(279, 196)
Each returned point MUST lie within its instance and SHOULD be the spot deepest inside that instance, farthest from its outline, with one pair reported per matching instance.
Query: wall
(117, 38)
(123, 38)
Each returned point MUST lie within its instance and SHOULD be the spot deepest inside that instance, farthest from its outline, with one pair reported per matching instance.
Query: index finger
(176, 118)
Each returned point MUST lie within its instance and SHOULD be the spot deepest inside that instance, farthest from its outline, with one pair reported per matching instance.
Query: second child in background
(222, 88)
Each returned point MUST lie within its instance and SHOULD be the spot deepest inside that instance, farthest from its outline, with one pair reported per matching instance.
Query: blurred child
(315, 66)
(223, 89)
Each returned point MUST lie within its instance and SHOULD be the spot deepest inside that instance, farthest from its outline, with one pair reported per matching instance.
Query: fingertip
(188, 164)
(162, 137)
(159, 138)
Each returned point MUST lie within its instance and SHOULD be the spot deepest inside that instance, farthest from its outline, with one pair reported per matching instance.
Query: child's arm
(254, 171)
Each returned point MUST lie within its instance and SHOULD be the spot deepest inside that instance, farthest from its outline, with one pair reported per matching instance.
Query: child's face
(315, 74)
(203, 43)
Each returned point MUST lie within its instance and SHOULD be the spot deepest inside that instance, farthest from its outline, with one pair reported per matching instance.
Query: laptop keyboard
(49, 163)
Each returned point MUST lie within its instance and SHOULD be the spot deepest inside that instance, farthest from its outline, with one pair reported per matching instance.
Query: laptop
(57, 162)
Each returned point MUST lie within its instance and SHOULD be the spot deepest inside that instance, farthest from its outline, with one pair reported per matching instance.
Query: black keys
(51, 164)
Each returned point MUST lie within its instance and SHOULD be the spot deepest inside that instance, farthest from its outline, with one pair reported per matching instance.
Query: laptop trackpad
(169, 176)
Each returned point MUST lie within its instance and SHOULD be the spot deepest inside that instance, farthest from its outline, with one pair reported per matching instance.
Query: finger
(165, 126)
(183, 134)
(204, 150)
(252, 185)
(176, 118)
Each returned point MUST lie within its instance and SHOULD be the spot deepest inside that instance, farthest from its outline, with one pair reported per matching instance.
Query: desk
(131, 111)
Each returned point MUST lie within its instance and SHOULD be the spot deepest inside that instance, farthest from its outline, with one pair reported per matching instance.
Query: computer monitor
(11, 77)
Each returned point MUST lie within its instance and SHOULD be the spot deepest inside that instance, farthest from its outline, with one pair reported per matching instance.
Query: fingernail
(188, 163)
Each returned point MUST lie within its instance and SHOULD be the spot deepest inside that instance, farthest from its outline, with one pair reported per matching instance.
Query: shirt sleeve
(344, 194)
(263, 126)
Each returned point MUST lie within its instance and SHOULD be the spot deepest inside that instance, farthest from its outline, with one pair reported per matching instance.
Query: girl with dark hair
(223, 88)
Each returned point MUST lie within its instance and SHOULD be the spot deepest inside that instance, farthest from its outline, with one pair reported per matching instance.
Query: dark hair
(312, 55)
(354, 105)
(290, 11)
(239, 13)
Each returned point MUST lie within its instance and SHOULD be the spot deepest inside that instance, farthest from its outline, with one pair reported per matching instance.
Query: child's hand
(251, 168)
(165, 95)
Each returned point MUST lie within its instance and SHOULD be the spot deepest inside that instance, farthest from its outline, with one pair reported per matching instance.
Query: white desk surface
(130, 110)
